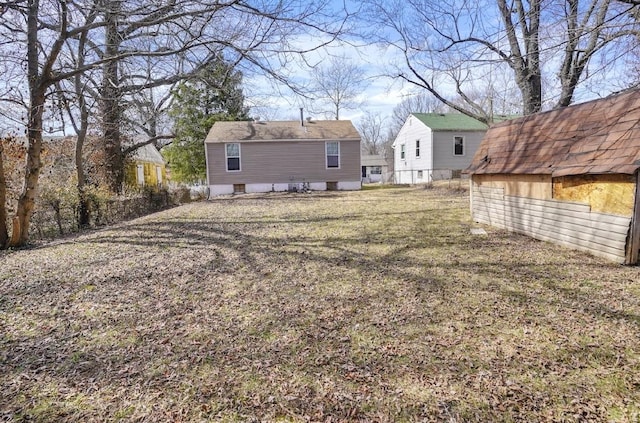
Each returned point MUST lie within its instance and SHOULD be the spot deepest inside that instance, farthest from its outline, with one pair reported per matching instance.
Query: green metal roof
(450, 122)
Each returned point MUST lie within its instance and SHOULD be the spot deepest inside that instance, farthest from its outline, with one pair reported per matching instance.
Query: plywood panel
(532, 186)
(569, 224)
(604, 193)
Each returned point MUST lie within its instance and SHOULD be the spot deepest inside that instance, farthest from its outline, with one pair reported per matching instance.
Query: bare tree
(336, 86)
(421, 102)
(4, 235)
(372, 130)
(47, 32)
(446, 48)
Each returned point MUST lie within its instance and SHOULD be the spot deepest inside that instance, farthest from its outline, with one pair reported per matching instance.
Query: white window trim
(140, 174)
(403, 151)
(464, 149)
(226, 158)
(326, 156)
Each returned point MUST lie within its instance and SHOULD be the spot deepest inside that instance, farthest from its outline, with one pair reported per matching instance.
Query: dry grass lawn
(365, 306)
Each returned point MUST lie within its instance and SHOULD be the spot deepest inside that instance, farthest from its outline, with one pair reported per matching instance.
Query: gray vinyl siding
(283, 162)
(573, 225)
(443, 157)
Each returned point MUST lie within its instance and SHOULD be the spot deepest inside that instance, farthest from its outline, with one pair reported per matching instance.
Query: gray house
(260, 156)
(432, 146)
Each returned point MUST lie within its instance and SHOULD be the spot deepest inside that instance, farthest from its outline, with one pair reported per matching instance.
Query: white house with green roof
(434, 146)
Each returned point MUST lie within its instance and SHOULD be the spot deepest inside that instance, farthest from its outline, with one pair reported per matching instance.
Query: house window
(417, 148)
(233, 157)
(458, 146)
(419, 174)
(401, 151)
(333, 154)
(376, 170)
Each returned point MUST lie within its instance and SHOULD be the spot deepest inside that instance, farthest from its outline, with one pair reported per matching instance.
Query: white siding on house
(573, 225)
(437, 159)
(406, 171)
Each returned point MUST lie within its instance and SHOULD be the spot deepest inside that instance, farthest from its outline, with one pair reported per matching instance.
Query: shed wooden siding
(283, 162)
(570, 224)
(443, 157)
(532, 186)
(150, 174)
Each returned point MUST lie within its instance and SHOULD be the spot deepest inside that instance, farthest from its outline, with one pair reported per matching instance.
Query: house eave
(226, 141)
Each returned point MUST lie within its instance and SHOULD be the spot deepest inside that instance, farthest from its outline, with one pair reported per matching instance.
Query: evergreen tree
(213, 95)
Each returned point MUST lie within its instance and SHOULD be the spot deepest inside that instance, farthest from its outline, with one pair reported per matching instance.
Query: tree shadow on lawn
(318, 321)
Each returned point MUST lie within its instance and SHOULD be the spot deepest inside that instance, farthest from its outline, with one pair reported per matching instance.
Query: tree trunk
(37, 90)
(84, 216)
(525, 59)
(27, 199)
(4, 235)
(111, 96)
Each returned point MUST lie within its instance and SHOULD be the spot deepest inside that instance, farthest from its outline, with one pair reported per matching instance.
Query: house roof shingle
(450, 122)
(259, 131)
(596, 137)
(148, 153)
(372, 160)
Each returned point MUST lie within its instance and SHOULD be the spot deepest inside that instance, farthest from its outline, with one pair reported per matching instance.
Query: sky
(380, 95)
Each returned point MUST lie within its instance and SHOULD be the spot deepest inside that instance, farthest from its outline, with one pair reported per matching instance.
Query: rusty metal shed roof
(596, 137)
(261, 131)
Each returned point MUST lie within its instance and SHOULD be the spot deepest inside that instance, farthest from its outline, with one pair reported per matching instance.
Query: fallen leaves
(361, 306)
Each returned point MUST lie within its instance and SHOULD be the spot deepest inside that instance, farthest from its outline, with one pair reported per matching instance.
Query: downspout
(206, 166)
(431, 159)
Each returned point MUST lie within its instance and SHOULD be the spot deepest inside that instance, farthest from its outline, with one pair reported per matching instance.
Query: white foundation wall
(216, 190)
(251, 188)
(349, 186)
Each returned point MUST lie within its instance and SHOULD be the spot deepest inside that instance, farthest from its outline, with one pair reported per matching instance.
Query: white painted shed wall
(573, 225)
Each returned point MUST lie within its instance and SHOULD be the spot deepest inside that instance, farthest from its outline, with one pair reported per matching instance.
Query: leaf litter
(362, 306)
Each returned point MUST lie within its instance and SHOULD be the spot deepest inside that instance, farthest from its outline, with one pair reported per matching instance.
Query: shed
(568, 176)
(146, 167)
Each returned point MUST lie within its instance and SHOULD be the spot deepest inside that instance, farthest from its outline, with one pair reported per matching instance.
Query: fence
(425, 176)
(51, 220)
